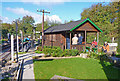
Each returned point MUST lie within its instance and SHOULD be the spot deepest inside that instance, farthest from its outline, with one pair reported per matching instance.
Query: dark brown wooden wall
(57, 39)
(87, 26)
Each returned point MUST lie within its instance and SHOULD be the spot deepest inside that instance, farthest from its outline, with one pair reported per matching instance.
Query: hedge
(58, 52)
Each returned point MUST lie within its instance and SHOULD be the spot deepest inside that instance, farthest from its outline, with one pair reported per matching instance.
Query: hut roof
(69, 26)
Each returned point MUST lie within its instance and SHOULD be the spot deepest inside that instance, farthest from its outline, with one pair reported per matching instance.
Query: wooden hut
(56, 36)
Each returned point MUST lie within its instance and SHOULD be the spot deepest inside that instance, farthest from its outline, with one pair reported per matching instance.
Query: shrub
(38, 51)
(45, 50)
(74, 52)
(56, 52)
(39, 48)
(94, 55)
(52, 50)
(70, 52)
(66, 52)
(35, 57)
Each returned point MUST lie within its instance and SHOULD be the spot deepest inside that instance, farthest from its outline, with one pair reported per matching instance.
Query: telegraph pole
(43, 11)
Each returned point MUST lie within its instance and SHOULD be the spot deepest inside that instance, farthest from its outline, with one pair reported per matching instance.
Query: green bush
(94, 55)
(74, 52)
(38, 51)
(58, 52)
(52, 50)
(46, 50)
(39, 48)
(66, 52)
(35, 57)
(70, 52)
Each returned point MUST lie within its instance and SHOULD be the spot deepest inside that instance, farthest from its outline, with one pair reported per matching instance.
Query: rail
(5, 57)
(20, 71)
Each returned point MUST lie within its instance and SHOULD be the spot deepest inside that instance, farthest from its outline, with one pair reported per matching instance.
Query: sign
(112, 44)
(37, 31)
(40, 37)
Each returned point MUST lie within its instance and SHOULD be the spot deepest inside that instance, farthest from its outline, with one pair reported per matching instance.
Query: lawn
(77, 68)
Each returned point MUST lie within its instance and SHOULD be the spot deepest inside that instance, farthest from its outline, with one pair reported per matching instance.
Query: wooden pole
(70, 40)
(43, 11)
(65, 41)
(43, 30)
(97, 40)
(85, 40)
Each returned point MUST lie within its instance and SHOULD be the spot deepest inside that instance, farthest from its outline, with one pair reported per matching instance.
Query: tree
(26, 25)
(47, 24)
(6, 28)
(106, 18)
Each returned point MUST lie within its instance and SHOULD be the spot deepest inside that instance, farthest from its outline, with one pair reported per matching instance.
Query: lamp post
(43, 11)
(21, 39)
(34, 35)
(16, 38)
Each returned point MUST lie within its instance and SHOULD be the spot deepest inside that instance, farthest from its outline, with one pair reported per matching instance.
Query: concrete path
(28, 72)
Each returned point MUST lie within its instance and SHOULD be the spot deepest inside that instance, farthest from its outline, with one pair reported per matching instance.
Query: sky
(60, 11)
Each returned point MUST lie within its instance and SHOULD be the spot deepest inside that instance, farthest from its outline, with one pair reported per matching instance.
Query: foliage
(26, 25)
(7, 28)
(38, 51)
(94, 55)
(77, 68)
(48, 23)
(70, 52)
(53, 51)
(35, 57)
(105, 16)
(118, 55)
(58, 52)
(39, 48)
(21, 53)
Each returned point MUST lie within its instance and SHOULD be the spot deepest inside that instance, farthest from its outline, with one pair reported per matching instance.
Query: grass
(77, 68)
(118, 55)
(38, 51)
(21, 53)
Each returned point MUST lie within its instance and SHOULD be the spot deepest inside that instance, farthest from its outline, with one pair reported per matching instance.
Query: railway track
(6, 56)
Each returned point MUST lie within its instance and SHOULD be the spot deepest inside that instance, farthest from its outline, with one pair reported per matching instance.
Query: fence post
(12, 48)
(17, 44)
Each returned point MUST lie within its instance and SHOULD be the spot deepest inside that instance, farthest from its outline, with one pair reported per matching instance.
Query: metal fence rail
(20, 71)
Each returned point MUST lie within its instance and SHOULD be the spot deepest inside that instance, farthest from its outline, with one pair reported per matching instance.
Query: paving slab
(28, 71)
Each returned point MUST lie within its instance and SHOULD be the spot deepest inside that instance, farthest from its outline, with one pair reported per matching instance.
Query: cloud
(47, 3)
(37, 17)
(54, 18)
(5, 19)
